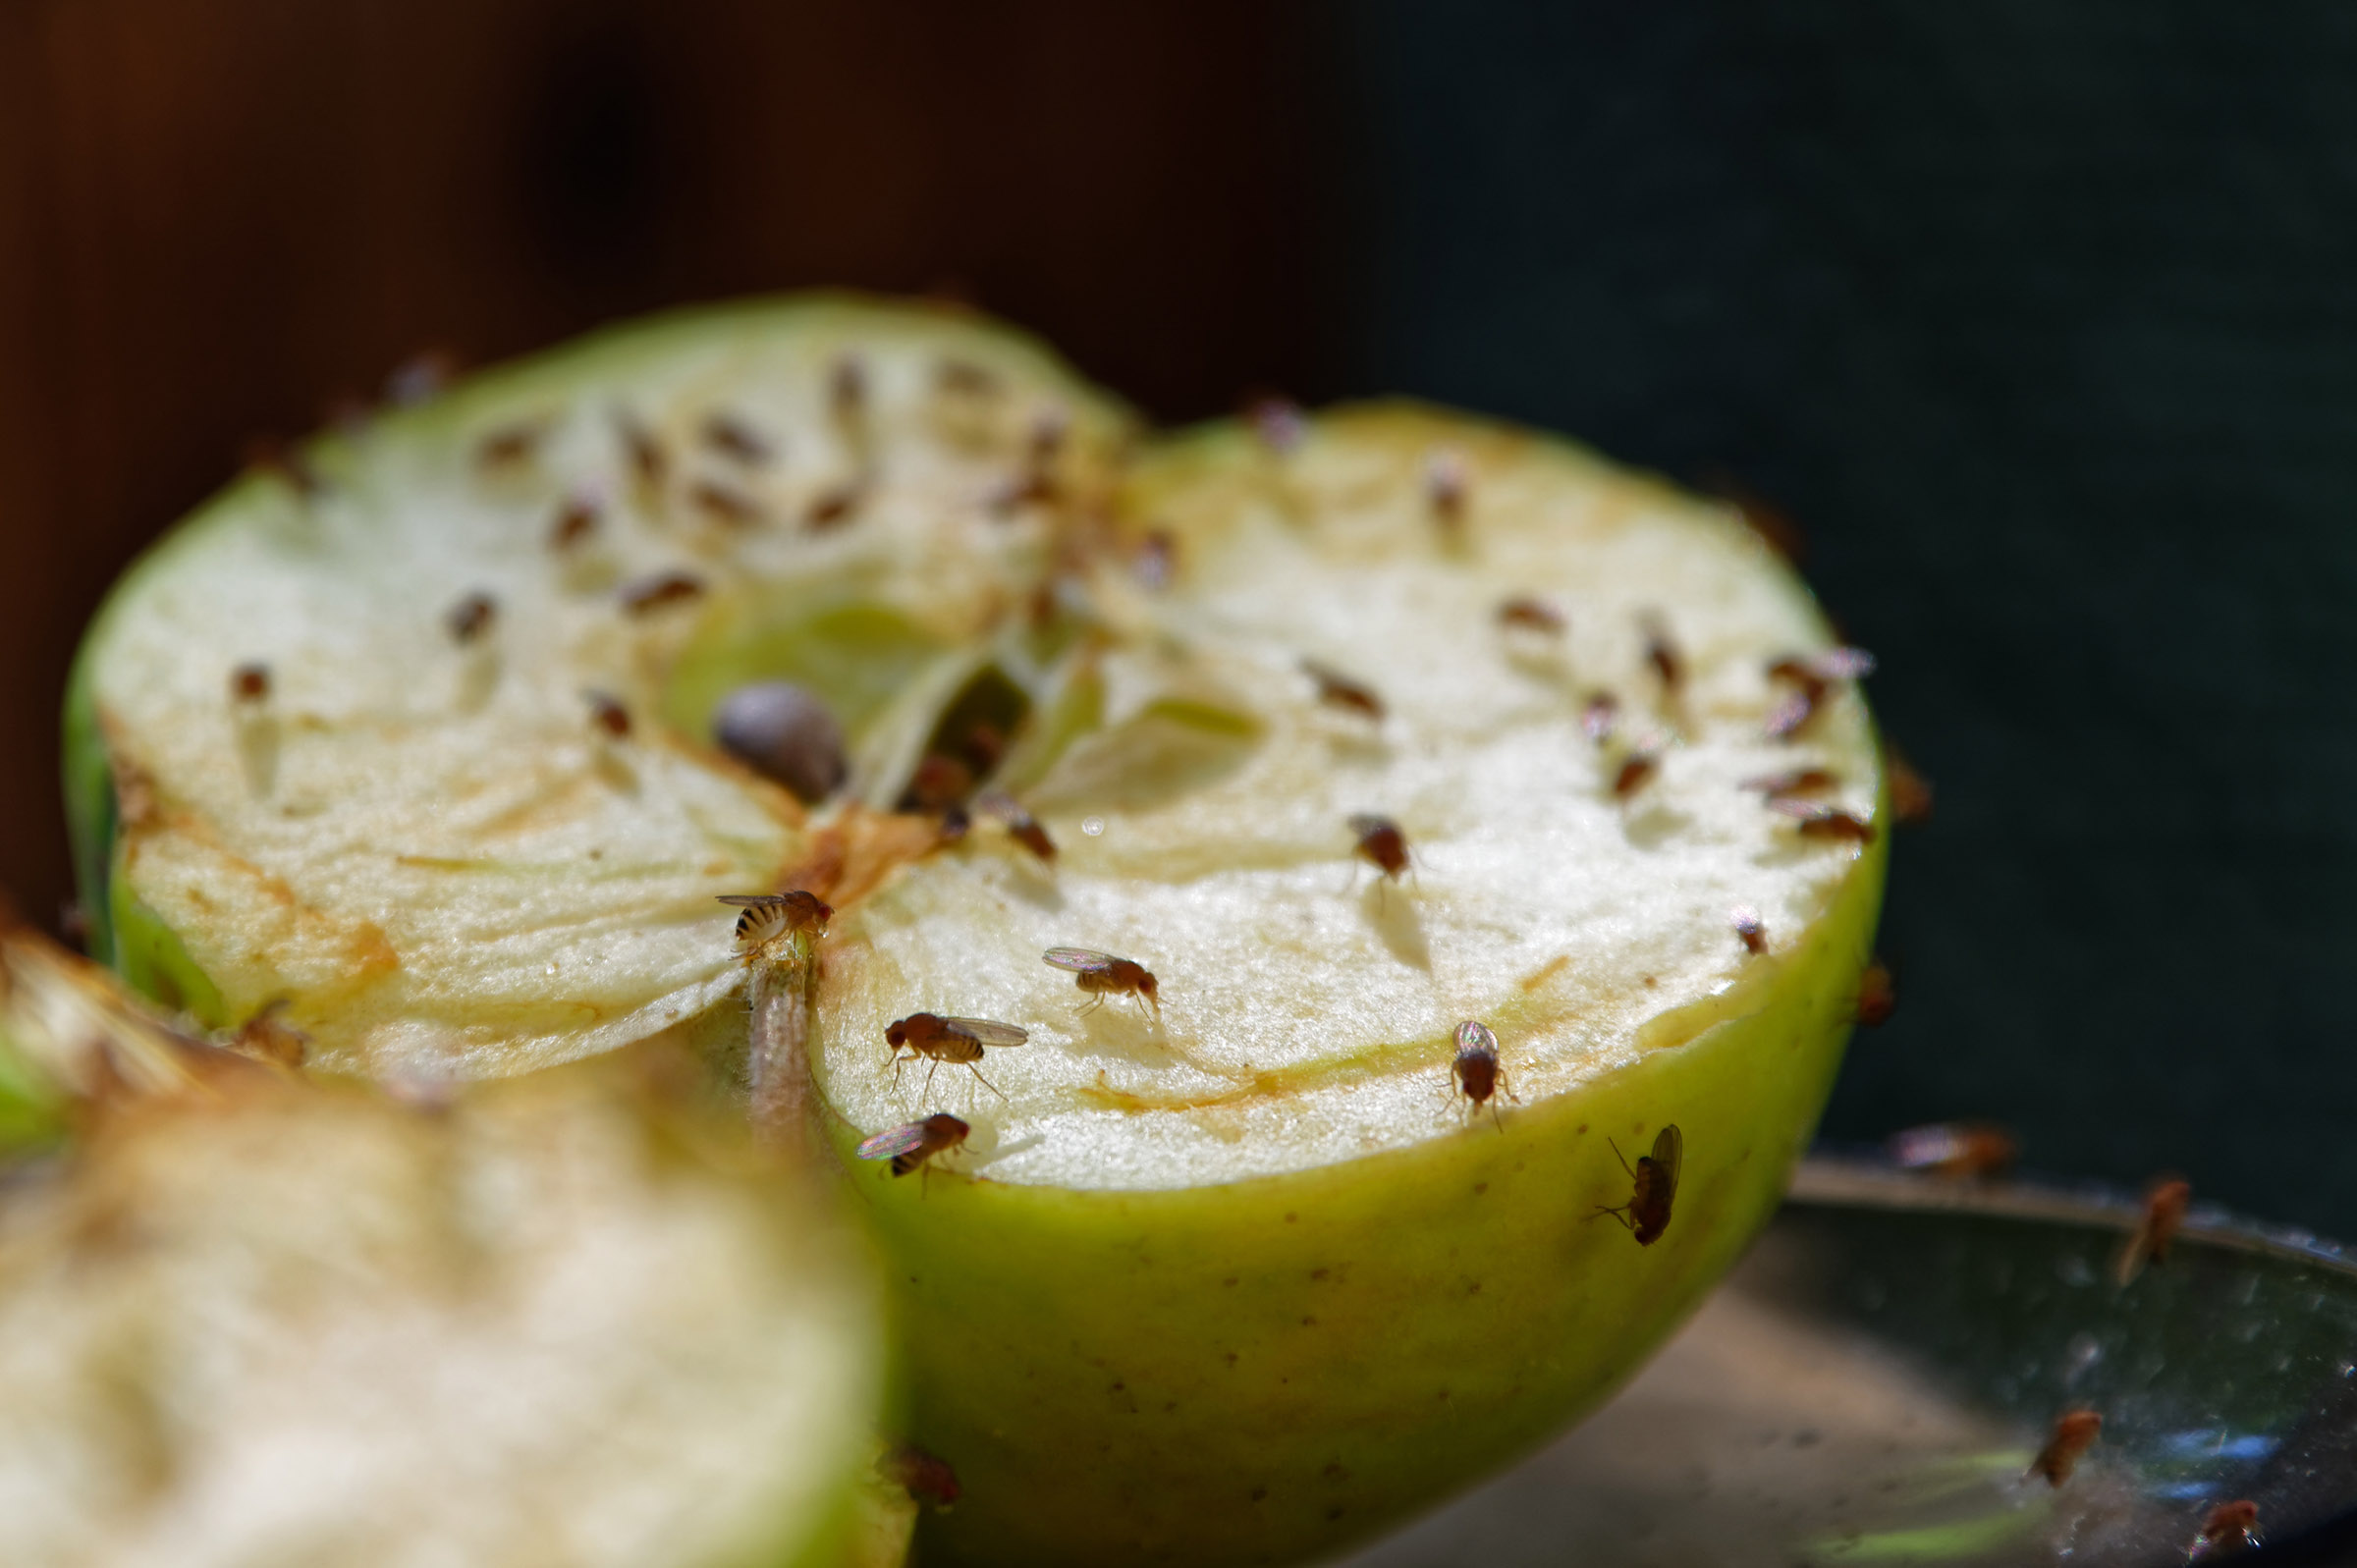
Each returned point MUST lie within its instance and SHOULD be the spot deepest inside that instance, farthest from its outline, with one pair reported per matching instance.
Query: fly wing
(1844, 664)
(986, 1031)
(1363, 823)
(1669, 1152)
(752, 900)
(894, 1140)
(1080, 960)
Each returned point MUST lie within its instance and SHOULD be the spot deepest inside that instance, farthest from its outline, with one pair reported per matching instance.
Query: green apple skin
(1269, 1371)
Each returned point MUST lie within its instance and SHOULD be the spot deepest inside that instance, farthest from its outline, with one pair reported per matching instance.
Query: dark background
(2040, 318)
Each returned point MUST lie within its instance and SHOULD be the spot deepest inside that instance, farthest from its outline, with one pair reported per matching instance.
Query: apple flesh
(1240, 1280)
(248, 1318)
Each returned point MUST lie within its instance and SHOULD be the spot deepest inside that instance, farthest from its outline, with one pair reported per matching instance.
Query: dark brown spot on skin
(472, 618)
(249, 682)
(657, 589)
(1259, 1493)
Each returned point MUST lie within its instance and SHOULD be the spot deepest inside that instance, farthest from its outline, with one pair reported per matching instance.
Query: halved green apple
(246, 1320)
(1240, 1279)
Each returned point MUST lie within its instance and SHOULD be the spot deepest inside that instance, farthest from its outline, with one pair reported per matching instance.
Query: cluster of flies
(1804, 682)
(1980, 1151)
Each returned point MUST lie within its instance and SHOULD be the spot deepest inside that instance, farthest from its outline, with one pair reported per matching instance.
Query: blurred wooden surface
(216, 218)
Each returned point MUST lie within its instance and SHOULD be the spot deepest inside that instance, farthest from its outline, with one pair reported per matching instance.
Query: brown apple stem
(785, 1106)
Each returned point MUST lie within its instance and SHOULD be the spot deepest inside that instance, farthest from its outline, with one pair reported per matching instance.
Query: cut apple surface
(1337, 731)
(247, 1321)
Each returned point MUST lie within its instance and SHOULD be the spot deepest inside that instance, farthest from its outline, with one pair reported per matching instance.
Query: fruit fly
(911, 1144)
(1813, 819)
(967, 379)
(1156, 560)
(644, 449)
(658, 590)
(249, 682)
(723, 504)
(927, 1477)
(1646, 1215)
(834, 507)
(1338, 690)
(419, 377)
(1748, 928)
(1280, 424)
(1661, 652)
(575, 521)
(2075, 1432)
(937, 783)
(1791, 781)
(1101, 975)
(732, 438)
(2164, 1204)
(958, 1040)
(274, 457)
(508, 446)
(1597, 719)
(771, 916)
(1811, 675)
(847, 388)
(608, 714)
(1381, 843)
(1910, 790)
(1635, 773)
(1957, 1149)
(2230, 1528)
(1475, 1070)
(1446, 483)
(1022, 826)
(471, 617)
(1532, 615)
(1878, 996)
